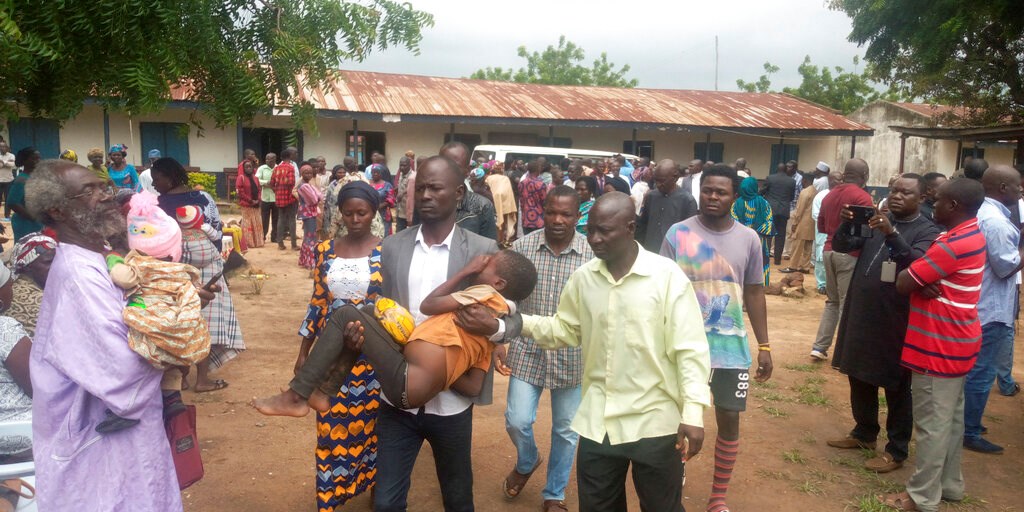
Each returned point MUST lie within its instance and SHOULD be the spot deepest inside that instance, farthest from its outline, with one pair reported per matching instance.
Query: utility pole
(716, 62)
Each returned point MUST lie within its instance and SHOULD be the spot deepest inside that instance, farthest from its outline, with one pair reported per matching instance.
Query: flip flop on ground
(217, 385)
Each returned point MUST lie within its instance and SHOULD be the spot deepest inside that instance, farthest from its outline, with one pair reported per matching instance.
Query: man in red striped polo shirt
(942, 343)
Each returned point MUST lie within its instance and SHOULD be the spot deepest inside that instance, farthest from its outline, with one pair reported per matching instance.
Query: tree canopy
(238, 57)
(833, 87)
(560, 66)
(957, 53)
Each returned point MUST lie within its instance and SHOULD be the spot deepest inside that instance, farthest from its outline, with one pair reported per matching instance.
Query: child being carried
(439, 356)
(165, 324)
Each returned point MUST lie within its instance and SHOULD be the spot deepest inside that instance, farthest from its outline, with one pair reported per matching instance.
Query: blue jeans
(519, 418)
(1004, 365)
(401, 434)
(994, 338)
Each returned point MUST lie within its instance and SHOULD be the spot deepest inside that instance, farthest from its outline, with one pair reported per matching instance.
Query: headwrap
(478, 173)
(379, 168)
(752, 210)
(618, 184)
(95, 152)
(69, 155)
(5, 276)
(189, 217)
(359, 190)
(152, 231)
(118, 148)
(28, 249)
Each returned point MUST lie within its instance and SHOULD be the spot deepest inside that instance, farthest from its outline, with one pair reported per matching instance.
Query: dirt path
(255, 463)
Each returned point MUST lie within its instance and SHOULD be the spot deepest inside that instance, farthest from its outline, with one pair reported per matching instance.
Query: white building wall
(216, 148)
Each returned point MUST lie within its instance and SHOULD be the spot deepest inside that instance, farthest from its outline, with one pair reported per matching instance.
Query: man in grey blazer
(413, 263)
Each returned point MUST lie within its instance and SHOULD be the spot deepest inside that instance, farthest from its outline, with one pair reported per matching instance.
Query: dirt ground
(255, 463)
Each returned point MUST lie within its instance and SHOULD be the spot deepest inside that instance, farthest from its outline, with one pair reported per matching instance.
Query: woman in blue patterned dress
(347, 271)
(753, 211)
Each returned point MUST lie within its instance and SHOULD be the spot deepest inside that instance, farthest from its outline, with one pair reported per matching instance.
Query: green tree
(763, 84)
(560, 66)
(843, 91)
(834, 87)
(958, 53)
(239, 57)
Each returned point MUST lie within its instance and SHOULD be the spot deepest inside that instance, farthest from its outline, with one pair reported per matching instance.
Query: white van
(502, 153)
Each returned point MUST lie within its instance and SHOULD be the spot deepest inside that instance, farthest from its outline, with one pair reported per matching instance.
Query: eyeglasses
(92, 190)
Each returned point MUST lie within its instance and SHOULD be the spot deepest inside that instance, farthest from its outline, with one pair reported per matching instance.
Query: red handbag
(188, 460)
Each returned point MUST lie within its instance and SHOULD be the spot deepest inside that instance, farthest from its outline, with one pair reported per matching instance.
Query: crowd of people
(520, 268)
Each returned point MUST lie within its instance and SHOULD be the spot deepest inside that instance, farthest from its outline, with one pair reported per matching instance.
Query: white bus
(503, 153)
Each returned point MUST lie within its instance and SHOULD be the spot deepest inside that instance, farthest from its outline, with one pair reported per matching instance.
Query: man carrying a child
(82, 366)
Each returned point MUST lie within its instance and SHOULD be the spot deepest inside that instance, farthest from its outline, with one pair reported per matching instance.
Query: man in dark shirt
(475, 213)
(931, 182)
(779, 190)
(838, 266)
(663, 206)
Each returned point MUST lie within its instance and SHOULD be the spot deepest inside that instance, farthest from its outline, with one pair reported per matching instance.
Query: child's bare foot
(319, 401)
(286, 403)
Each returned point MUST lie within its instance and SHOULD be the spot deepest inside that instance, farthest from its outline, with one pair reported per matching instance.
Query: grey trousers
(838, 271)
(939, 430)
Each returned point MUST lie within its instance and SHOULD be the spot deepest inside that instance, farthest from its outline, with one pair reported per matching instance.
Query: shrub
(207, 182)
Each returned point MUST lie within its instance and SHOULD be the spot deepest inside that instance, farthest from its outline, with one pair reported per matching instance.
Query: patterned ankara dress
(346, 446)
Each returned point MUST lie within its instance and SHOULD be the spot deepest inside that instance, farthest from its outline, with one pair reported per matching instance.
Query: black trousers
(330, 362)
(899, 422)
(286, 223)
(268, 212)
(400, 434)
(657, 474)
(4, 187)
(780, 222)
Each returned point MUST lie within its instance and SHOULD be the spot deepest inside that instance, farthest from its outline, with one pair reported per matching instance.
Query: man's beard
(101, 222)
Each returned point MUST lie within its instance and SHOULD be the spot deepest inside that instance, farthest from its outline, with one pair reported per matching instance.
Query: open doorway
(368, 143)
(270, 140)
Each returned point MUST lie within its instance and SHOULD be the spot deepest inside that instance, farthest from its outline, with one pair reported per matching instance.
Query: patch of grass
(765, 385)
(775, 412)
(815, 379)
(793, 456)
(867, 503)
(810, 487)
(811, 393)
(867, 453)
(969, 503)
(771, 396)
(806, 368)
(877, 484)
(823, 476)
(772, 475)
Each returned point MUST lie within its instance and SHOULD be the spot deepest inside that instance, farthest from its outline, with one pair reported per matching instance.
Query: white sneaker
(820, 356)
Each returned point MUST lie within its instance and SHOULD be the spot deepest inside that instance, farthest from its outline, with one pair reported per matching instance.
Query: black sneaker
(981, 445)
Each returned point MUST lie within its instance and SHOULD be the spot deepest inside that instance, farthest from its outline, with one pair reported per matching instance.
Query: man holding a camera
(874, 321)
(838, 266)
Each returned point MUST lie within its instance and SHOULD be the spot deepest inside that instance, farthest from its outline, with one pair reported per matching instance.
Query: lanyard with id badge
(888, 266)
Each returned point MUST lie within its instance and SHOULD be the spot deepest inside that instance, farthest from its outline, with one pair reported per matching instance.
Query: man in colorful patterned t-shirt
(942, 343)
(723, 260)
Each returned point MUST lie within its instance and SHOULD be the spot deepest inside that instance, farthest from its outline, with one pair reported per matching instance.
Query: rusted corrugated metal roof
(462, 100)
(412, 95)
(925, 109)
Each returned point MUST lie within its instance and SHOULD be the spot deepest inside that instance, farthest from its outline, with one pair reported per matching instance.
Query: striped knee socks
(725, 460)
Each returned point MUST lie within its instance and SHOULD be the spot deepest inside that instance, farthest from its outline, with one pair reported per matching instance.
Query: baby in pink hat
(165, 325)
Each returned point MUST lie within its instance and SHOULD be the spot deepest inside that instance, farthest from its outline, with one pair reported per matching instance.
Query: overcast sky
(667, 43)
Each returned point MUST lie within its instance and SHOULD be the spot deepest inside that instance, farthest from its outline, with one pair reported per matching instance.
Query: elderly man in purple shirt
(81, 364)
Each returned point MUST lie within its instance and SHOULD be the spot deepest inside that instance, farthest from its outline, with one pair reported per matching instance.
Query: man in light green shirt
(267, 197)
(645, 364)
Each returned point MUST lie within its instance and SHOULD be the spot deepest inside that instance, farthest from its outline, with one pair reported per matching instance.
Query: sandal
(554, 506)
(898, 501)
(11, 490)
(217, 386)
(512, 490)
